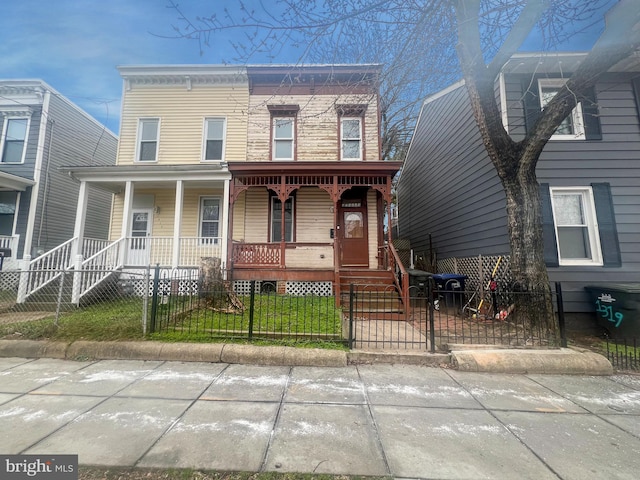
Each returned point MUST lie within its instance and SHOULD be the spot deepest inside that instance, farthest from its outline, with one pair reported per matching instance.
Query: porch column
(283, 227)
(81, 217)
(177, 220)
(126, 218)
(226, 219)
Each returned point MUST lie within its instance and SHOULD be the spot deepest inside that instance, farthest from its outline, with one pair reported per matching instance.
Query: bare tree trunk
(212, 288)
(216, 292)
(533, 300)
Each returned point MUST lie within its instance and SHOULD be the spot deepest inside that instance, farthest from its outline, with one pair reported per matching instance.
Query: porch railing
(391, 261)
(192, 249)
(10, 242)
(143, 251)
(93, 270)
(91, 246)
(44, 269)
(255, 254)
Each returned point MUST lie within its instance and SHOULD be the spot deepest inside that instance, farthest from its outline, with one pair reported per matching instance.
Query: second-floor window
(148, 130)
(351, 138)
(209, 220)
(283, 138)
(572, 127)
(14, 138)
(214, 139)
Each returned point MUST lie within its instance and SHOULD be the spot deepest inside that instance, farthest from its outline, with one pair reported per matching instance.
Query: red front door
(352, 233)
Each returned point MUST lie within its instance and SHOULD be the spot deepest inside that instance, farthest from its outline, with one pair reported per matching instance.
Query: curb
(564, 361)
(182, 352)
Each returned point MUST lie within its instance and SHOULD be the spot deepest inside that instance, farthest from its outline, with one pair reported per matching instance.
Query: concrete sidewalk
(558, 361)
(404, 421)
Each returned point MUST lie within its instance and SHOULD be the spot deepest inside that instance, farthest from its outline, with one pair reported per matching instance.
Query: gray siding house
(40, 131)
(589, 175)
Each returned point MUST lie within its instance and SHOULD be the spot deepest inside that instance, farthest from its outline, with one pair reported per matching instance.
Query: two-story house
(309, 202)
(275, 170)
(41, 130)
(589, 172)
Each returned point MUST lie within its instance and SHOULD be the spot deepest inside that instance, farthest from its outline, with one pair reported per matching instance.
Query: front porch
(299, 222)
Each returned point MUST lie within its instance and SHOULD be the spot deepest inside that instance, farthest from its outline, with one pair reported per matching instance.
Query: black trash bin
(451, 288)
(617, 307)
(418, 278)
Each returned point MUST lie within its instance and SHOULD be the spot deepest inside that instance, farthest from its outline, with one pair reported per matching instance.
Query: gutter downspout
(37, 170)
(46, 183)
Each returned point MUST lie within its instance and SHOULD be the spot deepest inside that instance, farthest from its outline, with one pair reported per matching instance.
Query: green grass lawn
(277, 319)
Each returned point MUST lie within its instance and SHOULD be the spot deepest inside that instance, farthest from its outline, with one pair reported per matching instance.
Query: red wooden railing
(391, 261)
(255, 254)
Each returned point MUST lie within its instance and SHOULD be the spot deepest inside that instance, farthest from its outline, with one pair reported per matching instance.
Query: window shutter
(606, 225)
(591, 116)
(530, 101)
(548, 228)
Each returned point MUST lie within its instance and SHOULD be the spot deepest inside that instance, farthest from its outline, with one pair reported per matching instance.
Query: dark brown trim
(283, 110)
(319, 167)
(249, 273)
(278, 89)
(352, 109)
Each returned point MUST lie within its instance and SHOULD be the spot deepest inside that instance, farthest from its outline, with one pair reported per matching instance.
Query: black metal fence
(439, 319)
(183, 306)
(624, 354)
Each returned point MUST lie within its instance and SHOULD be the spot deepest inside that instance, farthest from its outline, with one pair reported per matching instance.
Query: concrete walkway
(404, 421)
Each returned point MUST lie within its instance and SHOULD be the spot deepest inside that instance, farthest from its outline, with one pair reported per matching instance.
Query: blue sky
(75, 45)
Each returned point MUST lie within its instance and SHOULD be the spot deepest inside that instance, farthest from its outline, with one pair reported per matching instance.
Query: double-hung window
(283, 131)
(576, 226)
(276, 219)
(283, 138)
(148, 131)
(214, 130)
(572, 127)
(210, 220)
(8, 205)
(351, 138)
(14, 138)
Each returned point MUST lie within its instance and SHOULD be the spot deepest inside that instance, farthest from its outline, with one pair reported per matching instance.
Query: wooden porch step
(388, 316)
(374, 279)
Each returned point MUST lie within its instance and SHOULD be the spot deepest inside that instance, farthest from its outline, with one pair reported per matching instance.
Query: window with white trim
(148, 132)
(351, 138)
(276, 219)
(572, 127)
(8, 207)
(214, 131)
(283, 138)
(14, 139)
(574, 217)
(209, 220)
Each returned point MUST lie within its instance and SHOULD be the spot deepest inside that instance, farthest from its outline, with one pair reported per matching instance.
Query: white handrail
(46, 268)
(93, 270)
